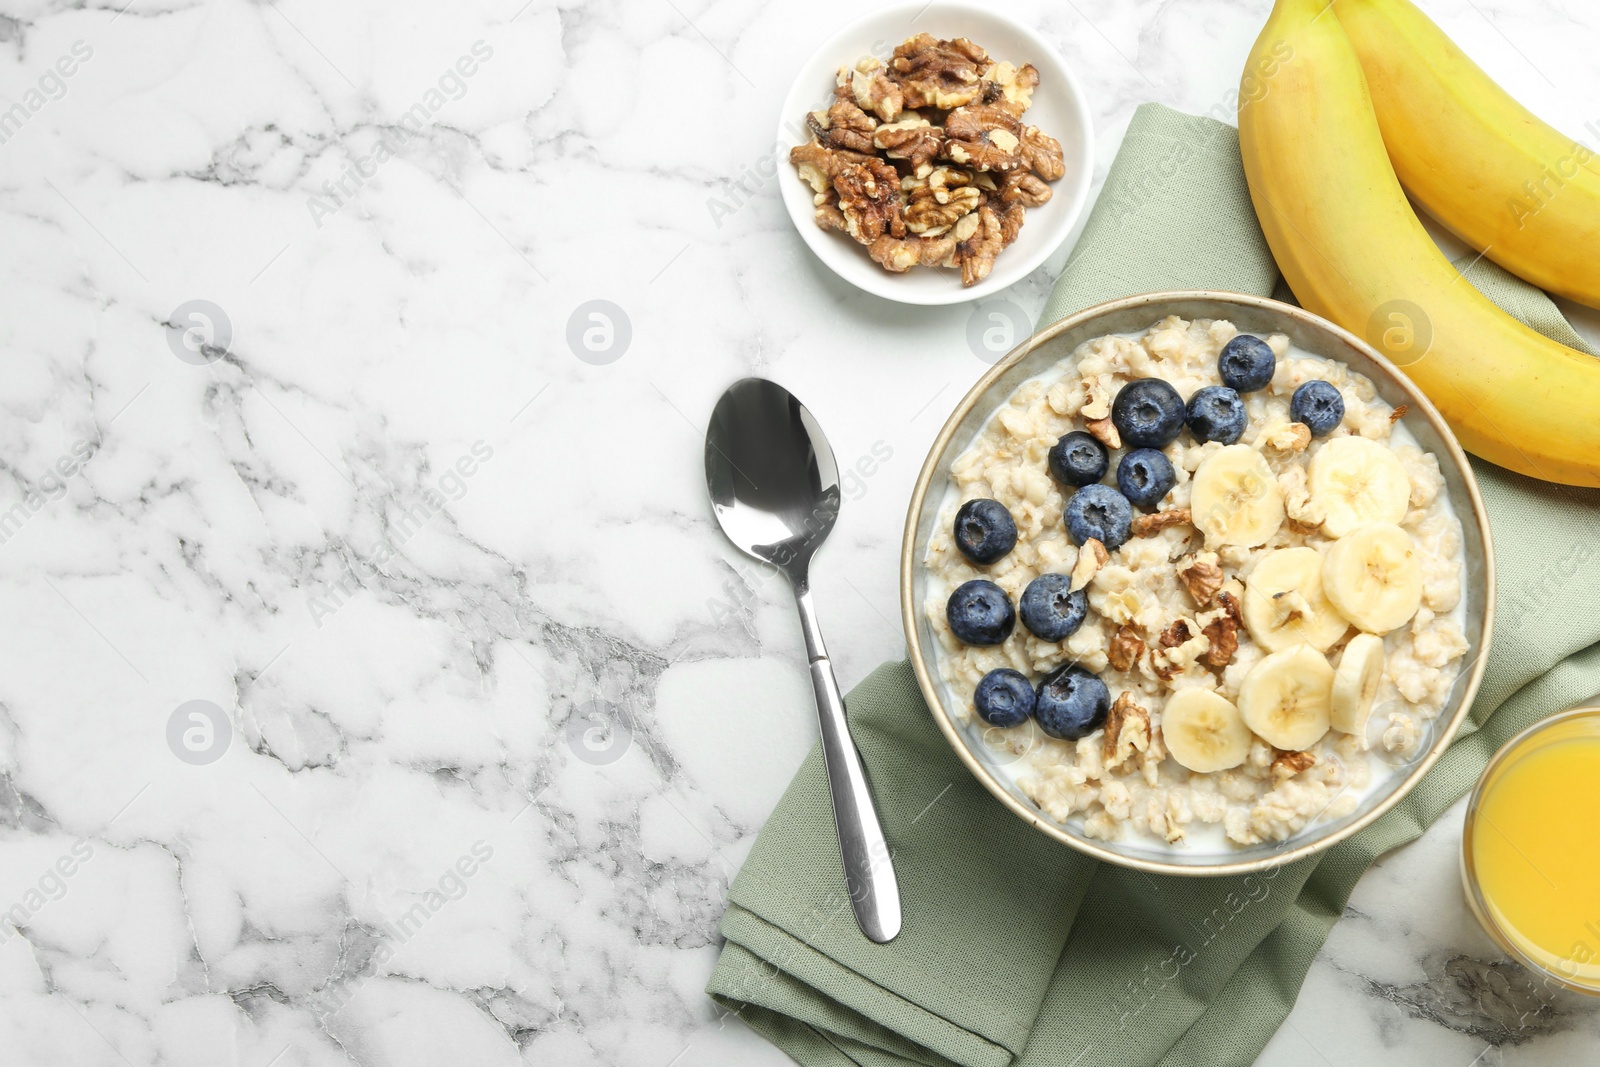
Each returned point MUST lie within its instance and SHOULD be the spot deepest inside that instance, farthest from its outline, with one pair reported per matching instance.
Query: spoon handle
(868, 866)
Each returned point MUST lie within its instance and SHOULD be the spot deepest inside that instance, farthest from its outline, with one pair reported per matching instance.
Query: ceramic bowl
(1251, 315)
(1059, 109)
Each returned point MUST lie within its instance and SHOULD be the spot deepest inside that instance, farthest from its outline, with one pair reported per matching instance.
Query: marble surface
(375, 687)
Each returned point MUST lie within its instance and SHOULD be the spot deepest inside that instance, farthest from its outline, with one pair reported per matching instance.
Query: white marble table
(402, 544)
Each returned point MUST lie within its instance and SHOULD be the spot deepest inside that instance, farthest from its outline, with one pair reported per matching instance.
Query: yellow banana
(1506, 183)
(1354, 252)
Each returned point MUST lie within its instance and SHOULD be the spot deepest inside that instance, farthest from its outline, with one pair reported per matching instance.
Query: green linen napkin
(1019, 950)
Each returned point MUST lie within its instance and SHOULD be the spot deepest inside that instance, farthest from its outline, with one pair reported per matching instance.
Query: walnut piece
(1288, 437)
(1010, 87)
(1223, 632)
(983, 137)
(1289, 764)
(843, 125)
(1202, 577)
(869, 199)
(915, 140)
(975, 254)
(1042, 154)
(1399, 413)
(897, 254)
(1125, 648)
(1091, 557)
(873, 90)
(935, 204)
(1011, 218)
(1023, 187)
(818, 164)
(1154, 523)
(935, 73)
(1127, 731)
(1105, 432)
(1176, 634)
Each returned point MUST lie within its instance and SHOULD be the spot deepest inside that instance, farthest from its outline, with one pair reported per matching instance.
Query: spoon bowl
(780, 498)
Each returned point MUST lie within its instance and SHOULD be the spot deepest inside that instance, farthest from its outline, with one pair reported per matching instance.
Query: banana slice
(1284, 698)
(1203, 731)
(1235, 499)
(1284, 603)
(1355, 684)
(1373, 576)
(1357, 481)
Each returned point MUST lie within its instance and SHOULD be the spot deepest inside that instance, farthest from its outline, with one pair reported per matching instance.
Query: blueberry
(984, 530)
(1049, 608)
(1100, 512)
(1318, 405)
(1071, 703)
(1078, 459)
(1246, 363)
(980, 613)
(1216, 414)
(1004, 698)
(1148, 412)
(1145, 476)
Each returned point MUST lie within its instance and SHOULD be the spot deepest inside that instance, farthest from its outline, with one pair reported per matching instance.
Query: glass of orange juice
(1530, 850)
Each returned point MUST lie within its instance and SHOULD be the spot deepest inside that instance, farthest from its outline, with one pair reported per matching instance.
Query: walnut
(1096, 399)
(1105, 432)
(1202, 577)
(975, 254)
(1125, 648)
(1289, 764)
(1288, 437)
(1127, 731)
(1399, 413)
(818, 164)
(1223, 632)
(935, 73)
(1149, 525)
(1180, 646)
(873, 91)
(1042, 154)
(869, 198)
(984, 137)
(1023, 187)
(843, 125)
(1011, 218)
(828, 216)
(1176, 634)
(897, 254)
(935, 204)
(1010, 87)
(1091, 557)
(915, 140)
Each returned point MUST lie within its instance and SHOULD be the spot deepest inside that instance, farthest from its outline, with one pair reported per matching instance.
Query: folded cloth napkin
(1019, 950)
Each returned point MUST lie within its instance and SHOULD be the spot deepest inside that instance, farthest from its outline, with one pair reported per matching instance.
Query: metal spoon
(775, 489)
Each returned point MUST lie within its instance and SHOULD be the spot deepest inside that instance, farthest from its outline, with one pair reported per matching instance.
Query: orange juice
(1531, 848)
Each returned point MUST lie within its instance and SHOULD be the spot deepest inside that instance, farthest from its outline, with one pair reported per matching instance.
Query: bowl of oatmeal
(1197, 582)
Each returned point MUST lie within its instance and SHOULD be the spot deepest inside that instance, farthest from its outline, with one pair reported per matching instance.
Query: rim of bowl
(1082, 176)
(1476, 902)
(1418, 404)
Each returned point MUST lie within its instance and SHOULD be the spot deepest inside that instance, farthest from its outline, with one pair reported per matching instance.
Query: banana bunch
(1322, 177)
(1298, 603)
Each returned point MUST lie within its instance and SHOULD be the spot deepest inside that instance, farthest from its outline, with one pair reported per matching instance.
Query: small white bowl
(1059, 110)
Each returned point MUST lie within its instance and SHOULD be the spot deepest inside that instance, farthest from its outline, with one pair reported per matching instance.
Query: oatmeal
(1201, 584)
